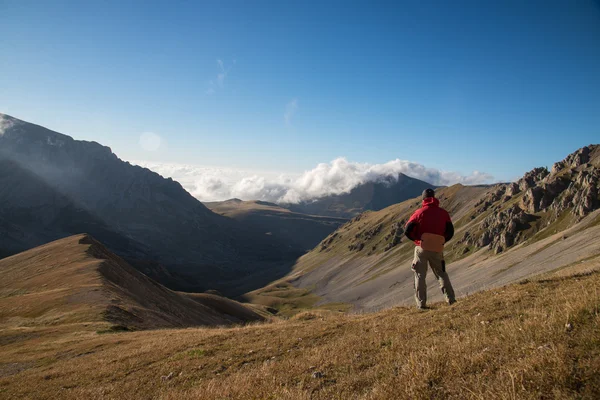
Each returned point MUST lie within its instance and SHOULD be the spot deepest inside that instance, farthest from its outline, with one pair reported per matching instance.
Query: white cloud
(338, 176)
(290, 111)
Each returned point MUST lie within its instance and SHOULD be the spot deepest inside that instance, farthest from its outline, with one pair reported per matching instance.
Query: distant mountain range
(53, 186)
(367, 196)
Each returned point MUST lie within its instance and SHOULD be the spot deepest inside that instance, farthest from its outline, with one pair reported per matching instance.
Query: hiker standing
(430, 227)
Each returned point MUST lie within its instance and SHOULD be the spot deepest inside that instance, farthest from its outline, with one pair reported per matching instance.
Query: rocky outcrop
(532, 178)
(541, 197)
(500, 230)
(363, 236)
(571, 186)
(395, 235)
(495, 195)
(512, 189)
(574, 160)
(582, 194)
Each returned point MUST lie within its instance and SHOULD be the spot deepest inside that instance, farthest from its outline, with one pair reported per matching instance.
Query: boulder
(532, 178)
(512, 189)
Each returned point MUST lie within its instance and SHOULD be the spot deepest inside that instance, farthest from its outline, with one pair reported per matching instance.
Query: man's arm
(412, 227)
(449, 233)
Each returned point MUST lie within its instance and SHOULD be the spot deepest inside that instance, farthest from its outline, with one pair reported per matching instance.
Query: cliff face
(569, 189)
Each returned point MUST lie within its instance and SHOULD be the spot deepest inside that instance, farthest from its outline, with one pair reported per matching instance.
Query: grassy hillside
(536, 339)
(77, 280)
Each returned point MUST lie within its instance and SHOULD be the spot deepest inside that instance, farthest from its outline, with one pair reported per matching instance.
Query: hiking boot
(450, 302)
(423, 308)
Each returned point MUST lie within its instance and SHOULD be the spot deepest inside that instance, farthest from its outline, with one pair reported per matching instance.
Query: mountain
(366, 196)
(76, 280)
(300, 231)
(149, 220)
(546, 220)
(34, 213)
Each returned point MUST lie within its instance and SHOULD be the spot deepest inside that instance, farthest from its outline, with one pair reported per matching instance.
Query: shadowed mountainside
(77, 279)
(300, 231)
(96, 191)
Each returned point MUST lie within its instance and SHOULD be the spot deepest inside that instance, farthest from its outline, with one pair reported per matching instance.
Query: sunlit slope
(506, 232)
(78, 280)
(537, 339)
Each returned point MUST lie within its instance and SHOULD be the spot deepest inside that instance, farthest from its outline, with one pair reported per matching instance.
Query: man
(430, 227)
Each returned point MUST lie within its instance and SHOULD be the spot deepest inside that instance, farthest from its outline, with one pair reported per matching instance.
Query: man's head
(428, 193)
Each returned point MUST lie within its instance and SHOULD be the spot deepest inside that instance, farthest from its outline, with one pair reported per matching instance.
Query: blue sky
(281, 86)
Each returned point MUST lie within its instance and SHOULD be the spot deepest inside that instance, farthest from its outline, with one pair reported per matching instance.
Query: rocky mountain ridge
(570, 187)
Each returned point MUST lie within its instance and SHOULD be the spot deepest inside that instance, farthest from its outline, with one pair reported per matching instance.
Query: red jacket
(430, 218)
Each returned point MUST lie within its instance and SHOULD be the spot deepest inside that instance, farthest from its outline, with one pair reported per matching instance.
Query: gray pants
(438, 266)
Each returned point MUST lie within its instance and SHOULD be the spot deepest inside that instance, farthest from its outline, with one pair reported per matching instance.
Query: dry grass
(537, 339)
(76, 279)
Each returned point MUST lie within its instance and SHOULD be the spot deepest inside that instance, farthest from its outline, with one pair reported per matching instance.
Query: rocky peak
(573, 183)
(576, 159)
(19, 137)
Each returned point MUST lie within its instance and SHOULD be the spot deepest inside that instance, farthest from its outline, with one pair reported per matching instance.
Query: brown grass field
(76, 279)
(538, 339)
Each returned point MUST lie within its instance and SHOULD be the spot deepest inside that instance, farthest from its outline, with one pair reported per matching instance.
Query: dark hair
(428, 193)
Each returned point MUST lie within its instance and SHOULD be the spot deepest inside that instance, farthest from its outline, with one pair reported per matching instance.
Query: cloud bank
(336, 177)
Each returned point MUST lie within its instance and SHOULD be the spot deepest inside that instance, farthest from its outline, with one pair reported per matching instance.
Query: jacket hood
(431, 201)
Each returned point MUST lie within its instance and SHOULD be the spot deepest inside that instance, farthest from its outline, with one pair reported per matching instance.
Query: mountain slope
(367, 196)
(546, 220)
(34, 213)
(77, 279)
(171, 226)
(300, 231)
(531, 340)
